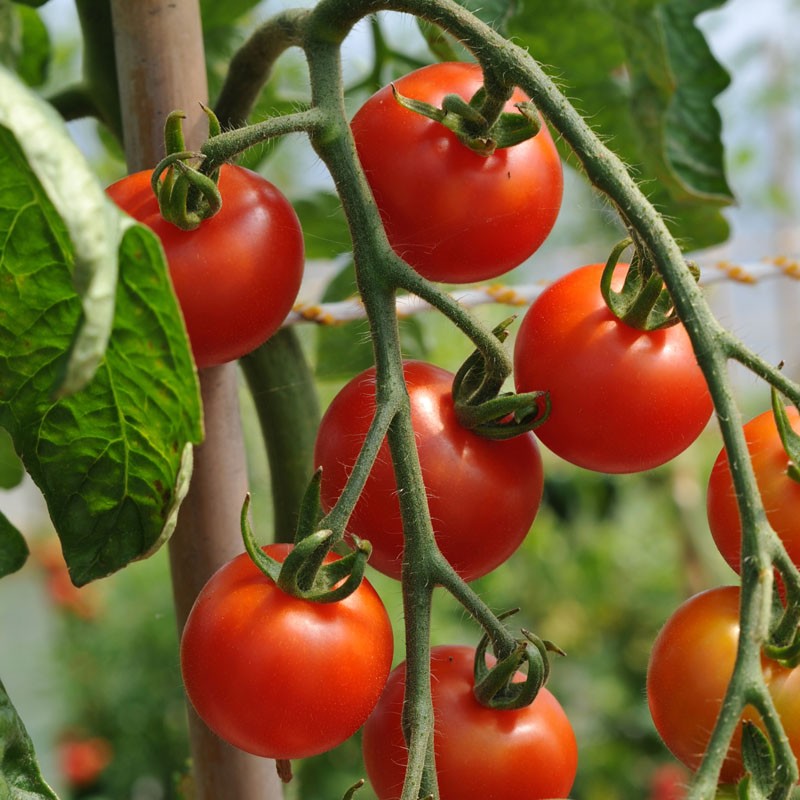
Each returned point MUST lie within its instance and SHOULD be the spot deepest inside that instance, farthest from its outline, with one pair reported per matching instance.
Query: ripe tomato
(482, 494)
(622, 400)
(691, 664)
(236, 276)
(278, 676)
(779, 492)
(481, 753)
(453, 214)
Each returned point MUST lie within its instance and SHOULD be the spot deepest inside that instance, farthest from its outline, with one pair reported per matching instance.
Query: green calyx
(643, 302)
(304, 573)
(480, 405)
(495, 686)
(473, 126)
(186, 194)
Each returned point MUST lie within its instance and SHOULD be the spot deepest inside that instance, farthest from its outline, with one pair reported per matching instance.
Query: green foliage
(24, 42)
(645, 78)
(111, 465)
(20, 778)
(13, 549)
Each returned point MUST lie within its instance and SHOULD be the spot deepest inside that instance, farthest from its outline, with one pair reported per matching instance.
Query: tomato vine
(381, 271)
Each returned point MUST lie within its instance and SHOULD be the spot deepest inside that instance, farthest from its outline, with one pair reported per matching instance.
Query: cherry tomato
(691, 664)
(278, 676)
(453, 214)
(480, 752)
(622, 400)
(779, 492)
(236, 276)
(482, 494)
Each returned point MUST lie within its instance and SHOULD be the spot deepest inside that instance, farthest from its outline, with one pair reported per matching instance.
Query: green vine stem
(283, 390)
(323, 31)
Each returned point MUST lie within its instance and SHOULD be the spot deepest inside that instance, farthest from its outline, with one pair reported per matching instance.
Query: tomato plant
(691, 664)
(278, 676)
(622, 399)
(472, 216)
(780, 492)
(236, 276)
(480, 752)
(482, 494)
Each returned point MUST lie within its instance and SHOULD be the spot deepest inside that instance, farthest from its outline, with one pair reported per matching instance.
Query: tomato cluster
(283, 677)
(693, 658)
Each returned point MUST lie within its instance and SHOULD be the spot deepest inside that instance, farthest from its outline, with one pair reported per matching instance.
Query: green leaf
(13, 548)
(24, 42)
(91, 222)
(759, 762)
(20, 777)
(324, 226)
(643, 75)
(11, 469)
(113, 458)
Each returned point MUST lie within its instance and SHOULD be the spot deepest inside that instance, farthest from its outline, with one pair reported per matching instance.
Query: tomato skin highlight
(281, 677)
(481, 753)
(622, 400)
(780, 493)
(690, 666)
(483, 495)
(237, 276)
(452, 214)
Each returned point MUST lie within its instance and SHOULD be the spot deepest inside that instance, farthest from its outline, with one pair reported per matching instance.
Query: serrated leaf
(324, 226)
(646, 80)
(20, 776)
(113, 459)
(13, 548)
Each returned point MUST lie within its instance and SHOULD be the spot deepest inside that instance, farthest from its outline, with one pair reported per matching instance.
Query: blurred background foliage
(94, 672)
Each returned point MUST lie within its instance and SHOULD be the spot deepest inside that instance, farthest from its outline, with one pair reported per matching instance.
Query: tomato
(481, 753)
(82, 760)
(236, 276)
(779, 492)
(482, 494)
(691, 664)
(452, 214)
(622, 400)
(278, 676)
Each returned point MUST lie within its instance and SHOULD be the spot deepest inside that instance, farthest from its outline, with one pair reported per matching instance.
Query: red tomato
(481, 753)
(779, 492)
(622, 400)
(453, 214)
(236, 276)
(483, 495)
(278, 676)
(82, 760)
(691, 664)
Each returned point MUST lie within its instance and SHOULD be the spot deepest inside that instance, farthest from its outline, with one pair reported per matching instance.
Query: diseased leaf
(113, 458)
(13, 549)
(20, 776)
(644, 77)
